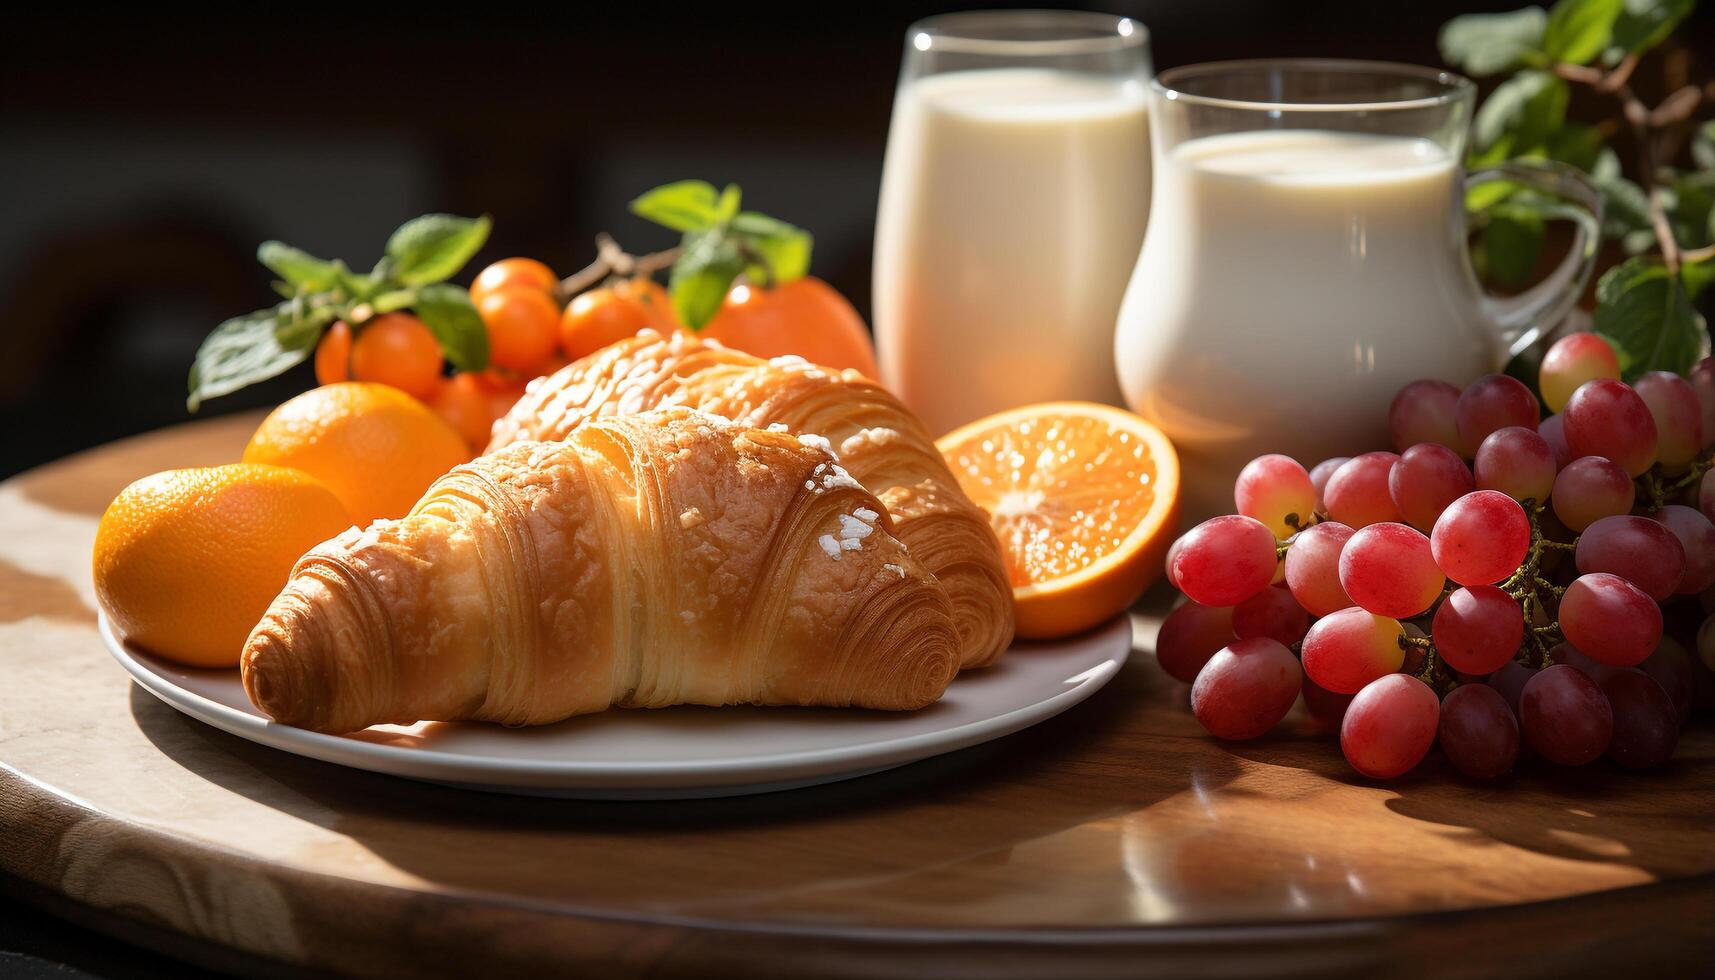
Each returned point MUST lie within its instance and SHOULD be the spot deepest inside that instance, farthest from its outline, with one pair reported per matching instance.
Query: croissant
(876, 439)
(670, 557)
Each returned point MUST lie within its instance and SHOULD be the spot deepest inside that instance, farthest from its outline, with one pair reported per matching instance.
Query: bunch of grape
(1498, 583)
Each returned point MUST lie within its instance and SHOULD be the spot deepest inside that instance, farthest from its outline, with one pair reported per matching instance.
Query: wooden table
(1113, 839)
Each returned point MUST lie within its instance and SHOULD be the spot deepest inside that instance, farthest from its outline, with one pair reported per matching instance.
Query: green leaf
(1703, 146)
(783, 249)
(397, 299)
(1576, 144)
(449, 314)
(297, 324)
(1488, 44)
(1697, 276)
(434, 247)
(1643, 24)
(1647, 315)
(298, 267)
(685, 205)
(242, 351)
(1579, 30)
(702, 276)
(1625, 206)
(358, 286)
(1528, 107)
(727, 207)
(1691, 208)
(1512, 243)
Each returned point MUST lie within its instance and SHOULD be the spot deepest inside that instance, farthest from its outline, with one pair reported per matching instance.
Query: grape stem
(1657, 490)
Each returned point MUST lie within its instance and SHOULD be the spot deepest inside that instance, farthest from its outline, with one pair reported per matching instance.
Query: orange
(652, 296)
(1085, 500)
(333, 355)
(507, 273)
(600, 317)
(463, 402)
(187, 561)
(397, 349)
(806, 317)
(523, 328)
(374, 446)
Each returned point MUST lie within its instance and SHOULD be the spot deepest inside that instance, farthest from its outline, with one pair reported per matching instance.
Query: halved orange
(1085, 500)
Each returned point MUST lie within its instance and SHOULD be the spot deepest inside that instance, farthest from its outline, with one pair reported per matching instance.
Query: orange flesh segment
(1063, 491)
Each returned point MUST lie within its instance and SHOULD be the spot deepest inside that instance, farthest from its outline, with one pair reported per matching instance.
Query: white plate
(681, 752)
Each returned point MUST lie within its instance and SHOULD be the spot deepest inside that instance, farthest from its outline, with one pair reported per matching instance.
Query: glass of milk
(1306, 257)
(1013, 204)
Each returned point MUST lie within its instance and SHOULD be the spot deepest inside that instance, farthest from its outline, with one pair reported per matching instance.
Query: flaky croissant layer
(875, 437)
(670, 557)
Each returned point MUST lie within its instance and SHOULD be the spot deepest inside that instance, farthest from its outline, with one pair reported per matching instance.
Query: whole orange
(374, 446)
(397, 349)
(653, 297)
(806, 317)
(523, 328)
(187, 561)
(597, 318)
(333, 355)
(508, 273)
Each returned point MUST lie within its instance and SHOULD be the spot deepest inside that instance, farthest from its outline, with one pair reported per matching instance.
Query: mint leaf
(702, 276)
(434, 247)
(1647, 315)
(1488, 44)
(1643, 24)
(1512, 243)
(1625, 206)
(242, 351)
(1579, 30)
(685, 205)
(297, 324)
(783, 249)
(449, 314)
(298, 267)
(358, 286)
(727, 207)
(1527, 107)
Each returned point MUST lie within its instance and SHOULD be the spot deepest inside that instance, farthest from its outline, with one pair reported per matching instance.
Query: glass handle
(1522, 319)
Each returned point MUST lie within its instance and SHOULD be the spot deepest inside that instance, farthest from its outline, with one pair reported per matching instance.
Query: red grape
(1678, 417)
(1225, 560)
(1478, 731)
(1509, 682)
(1646, 727)
(1324, 706)
(1272, 613)
(1494, 401)
(1390, 726)
(1553, 432)
(1607, 418)
(1427, 478)
(1706, 496)
(1589, 489)
(1349, 648)
(1245, 688)
(1478, 629)
(1275, 490)
(1702, 379)
(1571, 656)
(1610, 619)
(1173, 550)
(1481, 538)
(1573, 360)
(1319, 475)
(1189, 636)
(1423, 411)
(1517, 462)
(1357, 494)
(1313, 568)
(1671, 667)
(1565, 717)
(1706, 643)
(1388, 570)
(1637, 549)
(1697, 536)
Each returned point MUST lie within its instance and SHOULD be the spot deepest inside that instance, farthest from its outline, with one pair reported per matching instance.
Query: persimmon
(509, 273)
(806, 317)
(333, 355)
(523, 326)
(397, 349)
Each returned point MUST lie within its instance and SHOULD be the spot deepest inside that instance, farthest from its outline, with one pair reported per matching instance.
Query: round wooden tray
(1115, 839)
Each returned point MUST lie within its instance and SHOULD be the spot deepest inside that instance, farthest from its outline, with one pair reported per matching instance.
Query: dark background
(143, 155)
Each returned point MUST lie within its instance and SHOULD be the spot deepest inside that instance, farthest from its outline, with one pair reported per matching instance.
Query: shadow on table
(924, 824)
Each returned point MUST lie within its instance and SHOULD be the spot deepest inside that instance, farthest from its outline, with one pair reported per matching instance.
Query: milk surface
(1292, 281)
(1012, 209)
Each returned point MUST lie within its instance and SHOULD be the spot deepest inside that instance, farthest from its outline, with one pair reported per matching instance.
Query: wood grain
(1114, 836)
